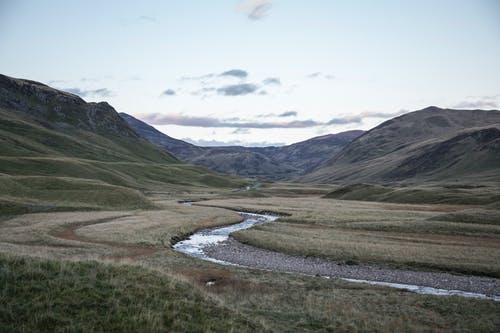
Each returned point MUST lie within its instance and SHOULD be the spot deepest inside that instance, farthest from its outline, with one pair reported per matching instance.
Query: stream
(219, 237)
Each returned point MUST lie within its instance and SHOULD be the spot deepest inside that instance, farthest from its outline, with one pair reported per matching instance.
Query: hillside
(272, 163)
(432, 144)
(59, 152)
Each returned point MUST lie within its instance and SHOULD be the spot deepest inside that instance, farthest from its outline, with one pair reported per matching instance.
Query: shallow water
(195, 244)
(428, 290)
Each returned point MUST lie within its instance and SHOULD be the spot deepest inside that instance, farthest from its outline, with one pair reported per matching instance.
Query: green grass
(51, 167)
(57, 296)
(21, 135)
(27, 194)
(476, 216)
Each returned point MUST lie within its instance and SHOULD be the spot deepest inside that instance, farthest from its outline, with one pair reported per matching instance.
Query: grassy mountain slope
(307, 155)
(59, 152)
(432, 144)
(273, 163)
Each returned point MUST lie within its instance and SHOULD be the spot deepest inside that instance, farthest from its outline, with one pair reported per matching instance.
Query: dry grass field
(115, 270)
(452, 238)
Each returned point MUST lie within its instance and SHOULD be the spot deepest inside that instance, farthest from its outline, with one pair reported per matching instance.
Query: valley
(91, 208)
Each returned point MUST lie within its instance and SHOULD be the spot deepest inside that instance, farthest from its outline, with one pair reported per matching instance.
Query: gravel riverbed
(234, 252)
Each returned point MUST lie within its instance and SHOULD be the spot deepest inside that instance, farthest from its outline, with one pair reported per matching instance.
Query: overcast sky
(259, 72)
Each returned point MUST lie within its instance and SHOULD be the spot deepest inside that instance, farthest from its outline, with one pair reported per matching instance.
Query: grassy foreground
(168, 291)
(61, 296)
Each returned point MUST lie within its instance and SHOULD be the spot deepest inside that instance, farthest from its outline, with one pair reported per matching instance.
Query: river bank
(216, 245)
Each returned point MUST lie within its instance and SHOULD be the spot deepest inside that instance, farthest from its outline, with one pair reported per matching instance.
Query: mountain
(271, 163)
(307, 155)
(58, 151)
(432, 144)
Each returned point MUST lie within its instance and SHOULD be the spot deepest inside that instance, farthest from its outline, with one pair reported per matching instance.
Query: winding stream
(197, 244)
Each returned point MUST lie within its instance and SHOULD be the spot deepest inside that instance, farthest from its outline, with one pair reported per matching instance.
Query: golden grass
(408, 236)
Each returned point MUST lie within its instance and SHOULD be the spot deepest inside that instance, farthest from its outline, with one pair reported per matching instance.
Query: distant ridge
(271, 163)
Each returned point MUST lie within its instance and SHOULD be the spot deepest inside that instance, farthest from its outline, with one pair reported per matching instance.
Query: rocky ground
(235, 252)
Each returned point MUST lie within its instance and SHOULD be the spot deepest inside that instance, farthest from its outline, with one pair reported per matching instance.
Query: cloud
(313, 75)
(211, 83)
(281, 115)
(102, 92)
(272, 81)
(205, 91)
(241, 131)
(345, 120)
(484, 102)
(256, 9)
(320, 75)
(89, 79)
(168, 92)
(216, 143)
(239, 73)
(211, 122)
(288, 114)
(357, 119)
(196, 78)
(238, 89)
(182, 120)
(55, 82)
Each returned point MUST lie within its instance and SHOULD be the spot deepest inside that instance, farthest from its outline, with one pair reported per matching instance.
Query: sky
(259, 72)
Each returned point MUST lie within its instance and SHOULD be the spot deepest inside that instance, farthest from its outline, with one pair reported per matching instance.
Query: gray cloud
(89, 79)
(238, 89)
(241, 131)
(320, 75)
(239, 73)
(357, 119)
(168, 92)
(282, 115)
(271, 81)
(256, 9)
(484, 102)
(345, 120)
(102, 92)
(205, 91)
(215, 143)
(181, 120)
(288, 114)
(55, 82)
(313, 75)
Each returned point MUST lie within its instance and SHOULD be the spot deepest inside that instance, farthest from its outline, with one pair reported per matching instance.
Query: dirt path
(132, 251)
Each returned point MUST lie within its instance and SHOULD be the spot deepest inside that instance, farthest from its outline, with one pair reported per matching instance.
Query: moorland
(89, 210)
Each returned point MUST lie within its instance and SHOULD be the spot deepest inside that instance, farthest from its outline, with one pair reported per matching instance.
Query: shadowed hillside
(432, 144)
